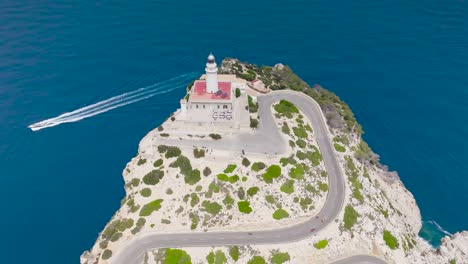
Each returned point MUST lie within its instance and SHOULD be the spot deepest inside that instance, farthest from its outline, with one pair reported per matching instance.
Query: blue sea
(402, 66)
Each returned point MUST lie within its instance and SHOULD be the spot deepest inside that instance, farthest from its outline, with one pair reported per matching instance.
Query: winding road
(267, 139)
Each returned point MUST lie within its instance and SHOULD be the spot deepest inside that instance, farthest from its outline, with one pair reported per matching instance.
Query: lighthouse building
(212, 98)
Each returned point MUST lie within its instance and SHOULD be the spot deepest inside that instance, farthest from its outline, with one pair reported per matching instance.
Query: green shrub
(172, 152)
(238, 92)
(270, 199)
(280, 214)
(253, 106)
(280, 258)
(314, 157)
(245, 162)
(272, 172)
(323, 186)
(212, 207)
(321, 244)
(158, 163)
(258, 166)
(141, 162)
(177, 256)
(150, 207)
(301, 143)
(230, 168)
(198, 153)
(390, 240)
(300, 132)
(252, 191)
(183, 163)
(350, 217)
(286, 108)
(103, 244)
(146, 192)
(244, 207)
(194, 199)
(106, 254)
(234, 253)
(256, 260)
(288, 187)
(160, 128)
(285, 128)
(215, 136)
(339, 148)
(228, 201)
(164, 134)
(206, 171)
(217, 257)
(253, 122)
(153, 177)
(297, 172)
(192, 177)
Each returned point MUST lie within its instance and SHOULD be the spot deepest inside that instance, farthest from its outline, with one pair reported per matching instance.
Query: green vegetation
(194, 199)
(141, 162)
(253, 106)
(234, 253)
(249, 75)
(135, 182)
(353, 175)
(323, 186)
(321, 244)
(158, 163)
(314, 157)
(286, 109)
(212, 207)
(343, 139)
(206, 171)
(230, 179)
(253, 122)
(297, 172)
(301, 143)
(280, 258)
(150, 207)
(306, 203)
(272, 172)
(300, 132)
(106, 254)
(245, 162)
(288, 187)
(183, 163)
(198, 153)
(217, 257)
(270, 199)
(244, 207)
(146, 192)
(364, 153)
(285, 128)
(215, 136)
(230, 168)
(153, 177)
(252, 191)
(339, 147)
(280, 214)
(390, 240)
(177, 256)
(238, 92)
(258, 166)
(256, 260)
(228, 201)
(169, 151)
(452, 261)
(139, 224)
(350, 216)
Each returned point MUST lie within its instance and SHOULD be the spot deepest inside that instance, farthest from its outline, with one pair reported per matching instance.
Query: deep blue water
(402, 66)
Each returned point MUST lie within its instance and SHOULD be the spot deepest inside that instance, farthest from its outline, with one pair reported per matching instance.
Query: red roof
(199, 92)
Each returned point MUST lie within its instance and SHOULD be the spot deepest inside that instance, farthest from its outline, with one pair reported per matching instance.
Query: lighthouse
(211, 75)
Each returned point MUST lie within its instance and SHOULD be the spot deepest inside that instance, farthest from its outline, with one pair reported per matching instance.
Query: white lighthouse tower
(211, 75)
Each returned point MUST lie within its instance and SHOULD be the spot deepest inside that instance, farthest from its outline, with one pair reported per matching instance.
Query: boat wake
(116, 101)
(439, 228)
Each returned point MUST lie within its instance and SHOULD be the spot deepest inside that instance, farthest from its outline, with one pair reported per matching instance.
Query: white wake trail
(142, 92)
(125, 96)
(114, 102)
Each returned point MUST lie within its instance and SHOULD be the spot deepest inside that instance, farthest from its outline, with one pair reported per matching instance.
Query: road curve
(268, 135)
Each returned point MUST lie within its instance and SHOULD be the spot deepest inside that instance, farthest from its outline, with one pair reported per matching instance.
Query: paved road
(361, 259)
(266, 139)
